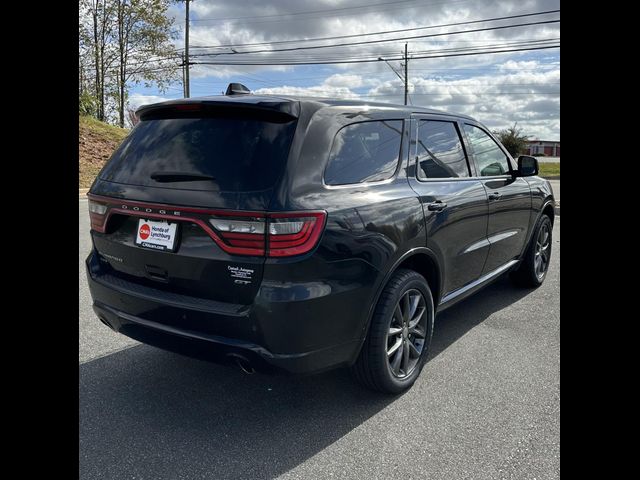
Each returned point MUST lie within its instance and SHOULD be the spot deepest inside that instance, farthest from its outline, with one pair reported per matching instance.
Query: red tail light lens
(294, 233)
(241, 236)
(97, 215)
(287, 234)
(189, 107)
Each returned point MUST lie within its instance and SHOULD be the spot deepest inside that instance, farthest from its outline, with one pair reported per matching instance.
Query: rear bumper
(215, 331)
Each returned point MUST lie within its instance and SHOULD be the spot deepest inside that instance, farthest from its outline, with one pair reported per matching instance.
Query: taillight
(97, 215)
(294, 233)
(99, 208)
(241, 236)
(279, 234)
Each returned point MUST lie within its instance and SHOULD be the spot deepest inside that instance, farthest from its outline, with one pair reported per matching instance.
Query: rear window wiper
(179, 177)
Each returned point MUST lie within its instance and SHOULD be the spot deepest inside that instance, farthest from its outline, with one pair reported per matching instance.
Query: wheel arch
(423, 261)
(548, 208)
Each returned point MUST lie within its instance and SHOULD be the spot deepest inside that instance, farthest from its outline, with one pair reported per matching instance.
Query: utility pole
(184, 83)
(406, 74)
(187, 93)
(404, 78)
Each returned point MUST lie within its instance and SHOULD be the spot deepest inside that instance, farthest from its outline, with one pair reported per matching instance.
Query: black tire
(530, 274)
(373, 367)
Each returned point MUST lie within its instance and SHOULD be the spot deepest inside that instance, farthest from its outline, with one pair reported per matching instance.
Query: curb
(552, 177)
(83, 191)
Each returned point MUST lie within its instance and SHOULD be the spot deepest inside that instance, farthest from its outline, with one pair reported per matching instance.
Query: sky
(497, 89)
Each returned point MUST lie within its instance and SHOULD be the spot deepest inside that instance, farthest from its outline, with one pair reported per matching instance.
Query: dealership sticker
(157, 235)
(241, 275)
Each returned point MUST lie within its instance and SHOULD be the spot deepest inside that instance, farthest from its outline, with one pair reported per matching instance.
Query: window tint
(239, 154)
(440, 153)
(364, 152)
(490, 159)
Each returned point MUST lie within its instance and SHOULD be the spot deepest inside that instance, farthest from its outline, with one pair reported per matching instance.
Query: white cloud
(136, 100)
(496, 89)
(513, 65)
(498, 99)
(344, 80)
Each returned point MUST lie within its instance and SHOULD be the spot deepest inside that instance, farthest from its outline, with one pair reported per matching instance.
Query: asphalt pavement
(95, 338)
(486, 406)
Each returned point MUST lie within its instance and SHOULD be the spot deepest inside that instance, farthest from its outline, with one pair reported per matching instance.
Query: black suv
(302, 234)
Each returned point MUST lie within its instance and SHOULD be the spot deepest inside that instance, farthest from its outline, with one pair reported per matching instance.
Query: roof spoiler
(276, 111)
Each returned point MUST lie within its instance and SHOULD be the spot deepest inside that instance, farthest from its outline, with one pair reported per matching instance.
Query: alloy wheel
(543, 251)
(407, 331)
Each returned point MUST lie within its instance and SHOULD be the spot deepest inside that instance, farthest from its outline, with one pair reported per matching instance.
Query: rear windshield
(220, 154)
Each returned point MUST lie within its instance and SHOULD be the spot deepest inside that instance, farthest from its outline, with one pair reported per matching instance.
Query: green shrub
(513, 140)
(87, 104)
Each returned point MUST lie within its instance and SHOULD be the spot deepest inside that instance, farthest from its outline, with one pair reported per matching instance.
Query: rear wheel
(397, 344)
(535, 263)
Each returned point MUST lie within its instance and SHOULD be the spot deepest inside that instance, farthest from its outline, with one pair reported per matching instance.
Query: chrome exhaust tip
(242, 362)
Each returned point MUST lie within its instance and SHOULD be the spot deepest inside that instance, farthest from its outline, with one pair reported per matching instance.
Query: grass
(104, 129)
(88, 174)
(98, 140)
(549, 169)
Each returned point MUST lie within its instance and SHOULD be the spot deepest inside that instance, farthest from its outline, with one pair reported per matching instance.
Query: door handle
(437, 206)
(495, 196)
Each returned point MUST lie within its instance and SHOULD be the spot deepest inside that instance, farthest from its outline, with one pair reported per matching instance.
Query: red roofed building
(549, 149)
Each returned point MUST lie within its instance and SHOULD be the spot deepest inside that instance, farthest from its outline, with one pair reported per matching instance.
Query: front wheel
(397, 344)
(535, 263)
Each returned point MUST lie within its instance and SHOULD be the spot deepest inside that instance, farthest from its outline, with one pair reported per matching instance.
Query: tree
(145, 51)
(97, 22)
(513, 140)
(124, 42)
(87, 104)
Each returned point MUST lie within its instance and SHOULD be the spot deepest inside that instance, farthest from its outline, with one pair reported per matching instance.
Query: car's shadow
(146, 413)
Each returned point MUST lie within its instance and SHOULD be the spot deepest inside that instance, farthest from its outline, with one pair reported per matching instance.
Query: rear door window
(364, 152)
(211, 153)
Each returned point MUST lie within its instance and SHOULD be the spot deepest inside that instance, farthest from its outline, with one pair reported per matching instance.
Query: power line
(479, 41)
(326, 12)
(352, 57)
(495, 45)
(415, 54)
(543, 67)
(340, 37)
(368, 42)
(375, 59)
(149, 70)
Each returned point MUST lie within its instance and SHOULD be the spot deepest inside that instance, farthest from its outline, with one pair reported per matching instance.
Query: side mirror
(527, 166)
